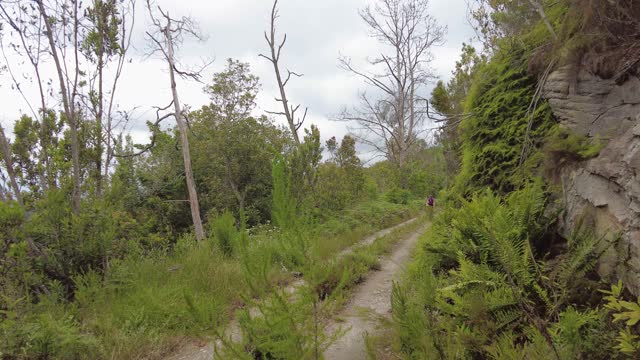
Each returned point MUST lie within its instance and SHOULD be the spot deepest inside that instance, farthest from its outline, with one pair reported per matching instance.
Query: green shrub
(494, 135)
(627, 313)
(225, 232)
(398, 196)
(47, 330)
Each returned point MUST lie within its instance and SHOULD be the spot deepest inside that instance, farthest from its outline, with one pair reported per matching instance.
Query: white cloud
(318, 32)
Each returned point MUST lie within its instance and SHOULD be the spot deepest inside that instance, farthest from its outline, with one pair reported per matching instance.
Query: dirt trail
(371, 301)
(203, 350)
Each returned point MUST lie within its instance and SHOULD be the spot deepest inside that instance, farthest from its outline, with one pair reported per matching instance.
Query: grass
(282, 325)
(146, 306)
(351, 269)
(146, 303)
(356, 223)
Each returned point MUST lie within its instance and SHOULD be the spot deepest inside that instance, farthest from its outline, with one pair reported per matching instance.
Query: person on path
(431, 201)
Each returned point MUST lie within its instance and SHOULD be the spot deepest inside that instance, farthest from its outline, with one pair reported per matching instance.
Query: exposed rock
(596, 107)
(604, 190)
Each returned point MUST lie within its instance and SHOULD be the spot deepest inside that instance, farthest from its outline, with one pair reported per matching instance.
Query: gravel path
(371, 301)
(203, 350)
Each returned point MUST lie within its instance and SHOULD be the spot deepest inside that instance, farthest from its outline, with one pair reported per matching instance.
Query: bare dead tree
(289, 111)
(168, 33)
(392, 122)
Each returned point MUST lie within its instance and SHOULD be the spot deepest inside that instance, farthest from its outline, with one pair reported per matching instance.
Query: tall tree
(234, 150)
(30, 44)
(392, 122)
(63, 33)
(73, 35)
(233, 92)
(166, 34)
(289, 111)
(107, 39)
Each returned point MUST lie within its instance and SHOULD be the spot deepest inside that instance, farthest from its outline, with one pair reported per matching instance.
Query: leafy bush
(398, 196)
(49, 329)
(627, 312)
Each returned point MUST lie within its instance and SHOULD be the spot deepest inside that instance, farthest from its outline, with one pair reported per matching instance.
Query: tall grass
(145, 306)
(145, 302)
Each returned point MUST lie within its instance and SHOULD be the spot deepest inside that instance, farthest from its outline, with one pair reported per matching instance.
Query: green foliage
(283, 210)
(563, 146)
(303, 164)
(233, 151)
(233, 91)
(627, 313)
(449, 102)
(424, 172)
(144, 302)
(48, 330)
(225, 232)
(398, 196)
(341, 180)
(483, 286)
(290, 322)
(273, 323)
(102, 39)
(496, 132)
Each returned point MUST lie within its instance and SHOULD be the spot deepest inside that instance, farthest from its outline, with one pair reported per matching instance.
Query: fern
(494, 295)
(627, 313)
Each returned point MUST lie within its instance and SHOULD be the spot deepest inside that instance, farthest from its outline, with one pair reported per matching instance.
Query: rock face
(605, 190)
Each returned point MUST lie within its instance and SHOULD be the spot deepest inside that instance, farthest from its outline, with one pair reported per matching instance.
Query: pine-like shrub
(225, 233)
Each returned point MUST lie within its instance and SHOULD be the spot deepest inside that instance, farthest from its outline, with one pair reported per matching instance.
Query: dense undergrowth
(145, 305)
(486, 284)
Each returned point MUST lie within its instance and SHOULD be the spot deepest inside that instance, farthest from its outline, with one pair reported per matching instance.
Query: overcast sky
(318, 32)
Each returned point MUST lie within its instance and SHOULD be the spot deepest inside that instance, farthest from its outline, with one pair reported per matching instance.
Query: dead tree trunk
(184, 139)
(289, 111)
(173, 30)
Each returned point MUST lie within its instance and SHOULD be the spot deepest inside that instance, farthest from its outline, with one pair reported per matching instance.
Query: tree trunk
(6, 154)
(184, 139)
(100, 105)
(540, 10)
(67, 103)
(99, 113)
